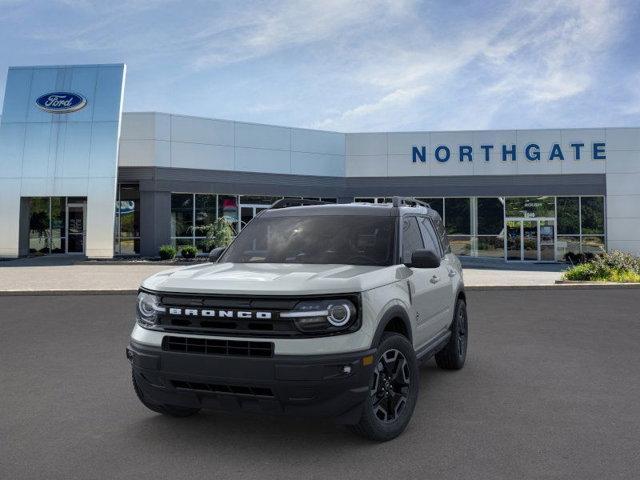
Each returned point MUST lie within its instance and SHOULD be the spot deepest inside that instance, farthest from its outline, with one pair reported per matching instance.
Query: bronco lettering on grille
(241, 314)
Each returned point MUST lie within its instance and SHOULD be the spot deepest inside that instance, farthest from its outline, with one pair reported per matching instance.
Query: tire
(169, 410)
(454, 354)
(393, 390)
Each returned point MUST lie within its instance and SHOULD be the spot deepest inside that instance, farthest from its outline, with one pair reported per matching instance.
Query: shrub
(615, 266)
(578, 258)
(167, 252)
(189, 251)
(218, 233)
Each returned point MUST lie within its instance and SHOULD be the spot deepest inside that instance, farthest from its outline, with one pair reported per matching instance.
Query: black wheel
(393, 390)
(453, 355)
(170, 410)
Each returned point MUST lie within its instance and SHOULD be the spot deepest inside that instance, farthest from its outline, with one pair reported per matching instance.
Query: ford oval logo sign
(61, 102)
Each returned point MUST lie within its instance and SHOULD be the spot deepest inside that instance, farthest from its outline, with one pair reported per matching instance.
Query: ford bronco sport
(312, 310)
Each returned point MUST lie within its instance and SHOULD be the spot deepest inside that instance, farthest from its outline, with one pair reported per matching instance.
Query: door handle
(435, 279)
(452, 273)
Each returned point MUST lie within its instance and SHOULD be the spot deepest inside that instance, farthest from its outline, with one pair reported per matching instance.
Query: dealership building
(80, 176)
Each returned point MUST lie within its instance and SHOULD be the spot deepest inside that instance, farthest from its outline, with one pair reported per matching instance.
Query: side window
(441, 232)
(430, 239)
(411, 238)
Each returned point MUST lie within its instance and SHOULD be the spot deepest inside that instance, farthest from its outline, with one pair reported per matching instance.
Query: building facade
(521, 195)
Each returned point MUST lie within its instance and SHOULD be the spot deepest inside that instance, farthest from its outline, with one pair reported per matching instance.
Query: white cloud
(538, 54)
(349, 64)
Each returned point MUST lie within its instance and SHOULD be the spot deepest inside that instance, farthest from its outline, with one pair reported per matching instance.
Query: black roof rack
(296, 202)
(409, 201)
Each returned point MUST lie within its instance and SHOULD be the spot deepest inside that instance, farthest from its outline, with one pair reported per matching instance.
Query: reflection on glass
(514, 240)
(228, 209)
(593, 244)
(530, 207)
(592, 215)
(568, 244)
(181, 242)
(129, 211)
(181, 214)
(547, 241)
(490, 216)
(529, 240)
(39, 225)
(58, 216)
(490, 246)
(75, 237)
(568, 216)
(460, 244)
(457, 214)
(205, 210)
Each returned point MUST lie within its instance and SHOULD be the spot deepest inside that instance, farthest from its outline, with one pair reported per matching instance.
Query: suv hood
(272, 279)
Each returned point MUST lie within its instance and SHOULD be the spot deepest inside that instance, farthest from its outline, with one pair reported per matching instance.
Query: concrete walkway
(51, 274)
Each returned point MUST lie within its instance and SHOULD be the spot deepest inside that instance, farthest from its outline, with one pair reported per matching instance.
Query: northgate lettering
(531, 152)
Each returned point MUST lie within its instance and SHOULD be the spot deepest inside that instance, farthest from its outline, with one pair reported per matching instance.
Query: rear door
(423, 284)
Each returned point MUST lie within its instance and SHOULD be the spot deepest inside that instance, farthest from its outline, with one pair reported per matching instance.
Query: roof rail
(409, 201)
(295, 202)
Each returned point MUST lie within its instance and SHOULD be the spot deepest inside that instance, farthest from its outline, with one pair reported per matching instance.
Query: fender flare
(395, 311)
(460, 294)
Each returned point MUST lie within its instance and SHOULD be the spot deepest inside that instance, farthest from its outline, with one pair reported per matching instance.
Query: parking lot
(550, 390)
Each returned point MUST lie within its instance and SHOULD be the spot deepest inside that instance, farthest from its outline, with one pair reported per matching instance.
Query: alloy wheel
(391, 384)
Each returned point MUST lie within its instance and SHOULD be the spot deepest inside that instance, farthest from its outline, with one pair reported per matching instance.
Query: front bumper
(333, 385)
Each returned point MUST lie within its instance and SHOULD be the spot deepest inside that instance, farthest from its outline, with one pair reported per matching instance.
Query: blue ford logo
(61, 102)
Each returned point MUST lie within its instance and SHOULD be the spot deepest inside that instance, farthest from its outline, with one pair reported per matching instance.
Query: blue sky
(351, 65)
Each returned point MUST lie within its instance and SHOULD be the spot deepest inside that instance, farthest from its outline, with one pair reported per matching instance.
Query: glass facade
(56, 225)
(127, 220)
(541, 228)
(189, 211)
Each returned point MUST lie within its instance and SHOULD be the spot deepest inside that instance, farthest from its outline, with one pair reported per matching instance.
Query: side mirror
(215, 254)
(424, 259)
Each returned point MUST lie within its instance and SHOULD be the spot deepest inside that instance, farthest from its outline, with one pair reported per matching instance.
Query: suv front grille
(236, 316)
(209, 346)
(228, 389)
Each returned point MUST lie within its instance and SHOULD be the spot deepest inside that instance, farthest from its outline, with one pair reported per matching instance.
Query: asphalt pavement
(550, 390)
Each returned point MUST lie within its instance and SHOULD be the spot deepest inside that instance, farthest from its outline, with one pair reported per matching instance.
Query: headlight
(323, 316)
(147, 309)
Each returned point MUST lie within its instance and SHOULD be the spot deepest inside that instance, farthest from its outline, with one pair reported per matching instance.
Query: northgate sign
(531, 152)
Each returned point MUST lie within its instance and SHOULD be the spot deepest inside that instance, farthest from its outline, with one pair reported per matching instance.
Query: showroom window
(581, 223)
(57, 225)
(457, 220)
(189, 211)
(127, 221)
(490, 221)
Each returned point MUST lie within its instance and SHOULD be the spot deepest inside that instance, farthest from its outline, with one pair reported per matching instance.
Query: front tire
(393, 390)
(454, 354)
(169, 410)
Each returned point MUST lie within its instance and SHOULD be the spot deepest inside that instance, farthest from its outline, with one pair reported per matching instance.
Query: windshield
(321, 239)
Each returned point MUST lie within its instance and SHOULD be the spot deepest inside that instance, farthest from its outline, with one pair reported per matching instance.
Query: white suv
(312, 310)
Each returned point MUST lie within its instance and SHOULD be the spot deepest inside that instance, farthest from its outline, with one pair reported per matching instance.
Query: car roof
(361, 209)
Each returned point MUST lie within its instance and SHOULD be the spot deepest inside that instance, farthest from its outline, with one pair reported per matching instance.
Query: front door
(75, 227)
(530, 240)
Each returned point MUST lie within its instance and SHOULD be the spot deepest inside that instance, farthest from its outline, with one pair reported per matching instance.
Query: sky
(349, 65)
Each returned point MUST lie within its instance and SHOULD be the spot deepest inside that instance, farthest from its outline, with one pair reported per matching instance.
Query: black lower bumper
(322, 385)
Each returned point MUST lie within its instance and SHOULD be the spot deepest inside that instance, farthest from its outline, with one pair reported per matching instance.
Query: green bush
(167, 252)
(219, 233)
(189, 251)
(607, 267)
